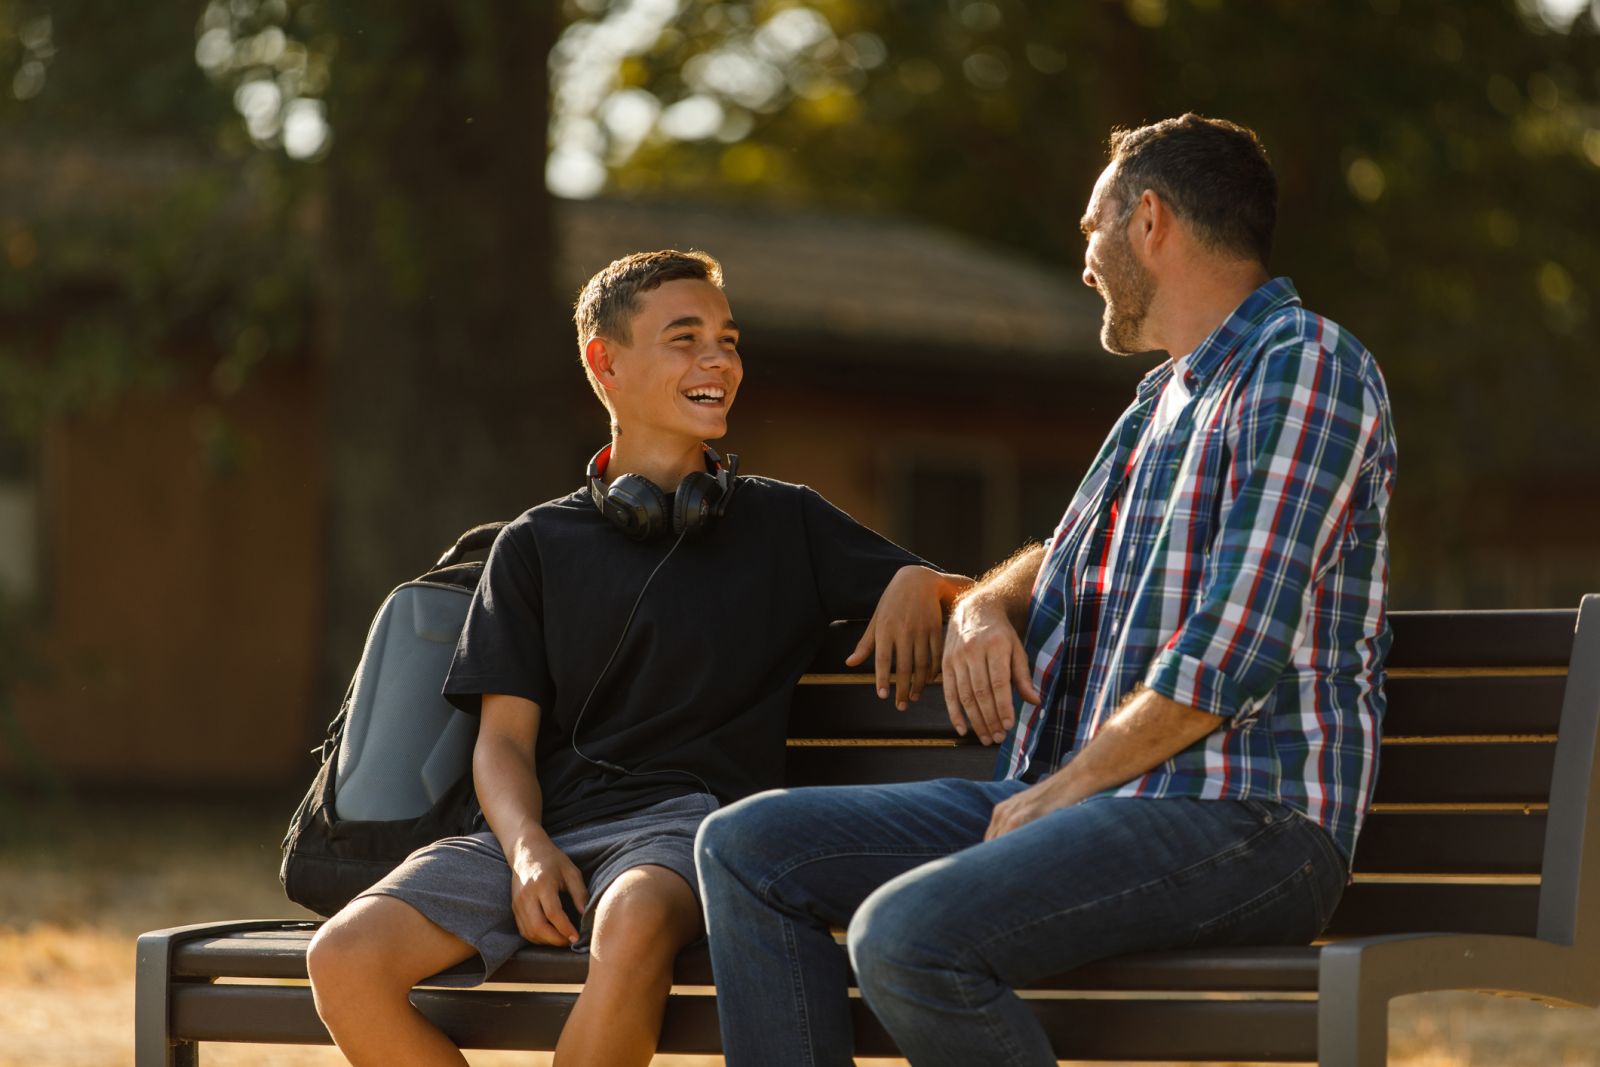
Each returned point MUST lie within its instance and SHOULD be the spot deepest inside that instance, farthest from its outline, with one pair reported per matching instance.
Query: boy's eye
(684, 337)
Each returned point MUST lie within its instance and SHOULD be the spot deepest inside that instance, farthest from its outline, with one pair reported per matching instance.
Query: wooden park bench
(1478, 868)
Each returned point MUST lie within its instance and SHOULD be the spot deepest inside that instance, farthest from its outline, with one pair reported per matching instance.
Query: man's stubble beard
(1128, 291)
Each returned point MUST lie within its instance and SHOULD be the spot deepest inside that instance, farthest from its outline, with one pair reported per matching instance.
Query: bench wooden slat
(1475, 773)
(281, 955)
(848, 765)
(1536, 638)
(1422, 707)
(1469, 773)
(1469, 909)
(1417, 707)
(1452, 843)
(507, 1019)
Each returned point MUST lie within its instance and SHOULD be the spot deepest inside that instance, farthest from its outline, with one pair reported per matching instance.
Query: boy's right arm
(508, 791)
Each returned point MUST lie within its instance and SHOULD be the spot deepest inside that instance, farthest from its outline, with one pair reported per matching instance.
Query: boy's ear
(598, 355)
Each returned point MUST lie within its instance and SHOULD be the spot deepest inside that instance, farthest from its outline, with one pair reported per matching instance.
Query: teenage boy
(1199, 656)
(631, 649)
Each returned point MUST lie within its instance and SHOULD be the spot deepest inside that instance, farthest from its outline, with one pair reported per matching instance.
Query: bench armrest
(1358, 978)
(152, 999)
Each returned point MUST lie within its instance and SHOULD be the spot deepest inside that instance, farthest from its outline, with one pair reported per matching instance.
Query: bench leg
(153, 1043)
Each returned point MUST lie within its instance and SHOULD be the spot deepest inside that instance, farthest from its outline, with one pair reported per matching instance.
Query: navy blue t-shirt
(702, 682)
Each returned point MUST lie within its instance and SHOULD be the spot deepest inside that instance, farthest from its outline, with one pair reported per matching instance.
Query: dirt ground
(79, 881)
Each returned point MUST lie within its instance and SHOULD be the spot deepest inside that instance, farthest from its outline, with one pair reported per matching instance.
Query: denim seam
(796, 862)
(998, 1035)
(1169, 881)
(797, 987)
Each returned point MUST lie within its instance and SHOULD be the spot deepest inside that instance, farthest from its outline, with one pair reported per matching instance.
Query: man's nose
(1088, 278)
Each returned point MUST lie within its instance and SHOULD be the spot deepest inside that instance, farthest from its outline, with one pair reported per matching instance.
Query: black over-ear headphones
(637, 506)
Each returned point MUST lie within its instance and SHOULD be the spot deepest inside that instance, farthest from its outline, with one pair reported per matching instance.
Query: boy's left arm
(905, 636)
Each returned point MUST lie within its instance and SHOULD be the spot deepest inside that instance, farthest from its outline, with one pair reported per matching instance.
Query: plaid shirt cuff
(1195, 683)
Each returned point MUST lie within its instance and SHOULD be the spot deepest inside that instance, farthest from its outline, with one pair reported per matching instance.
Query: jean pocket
(1287, 912)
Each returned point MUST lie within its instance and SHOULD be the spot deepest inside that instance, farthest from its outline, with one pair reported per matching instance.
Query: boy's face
(681, 371)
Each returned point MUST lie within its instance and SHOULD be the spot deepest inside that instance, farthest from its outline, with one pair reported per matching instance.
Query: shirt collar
(1211, 353)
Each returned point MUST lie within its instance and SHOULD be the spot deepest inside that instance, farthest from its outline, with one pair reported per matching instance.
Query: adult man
(644, 646)
(1200, 673)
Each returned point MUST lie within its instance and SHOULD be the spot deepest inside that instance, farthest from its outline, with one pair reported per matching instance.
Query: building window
(955, 504)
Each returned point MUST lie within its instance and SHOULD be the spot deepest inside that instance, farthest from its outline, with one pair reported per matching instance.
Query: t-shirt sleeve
(502, 646)
(851, 564)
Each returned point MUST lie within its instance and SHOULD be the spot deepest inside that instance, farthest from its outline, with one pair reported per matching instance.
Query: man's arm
(508, 790)
(907, 630)
(983, 654)
(1145, 732)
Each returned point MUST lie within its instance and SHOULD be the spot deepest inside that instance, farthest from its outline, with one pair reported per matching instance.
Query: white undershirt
(1174, 396)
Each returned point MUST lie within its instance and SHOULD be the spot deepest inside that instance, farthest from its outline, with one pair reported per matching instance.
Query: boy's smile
(680, 374)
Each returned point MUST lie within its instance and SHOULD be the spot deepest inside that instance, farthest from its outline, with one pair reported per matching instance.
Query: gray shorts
(463, 884)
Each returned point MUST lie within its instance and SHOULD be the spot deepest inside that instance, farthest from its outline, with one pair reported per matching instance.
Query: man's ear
(1153, 223)
(600, 357)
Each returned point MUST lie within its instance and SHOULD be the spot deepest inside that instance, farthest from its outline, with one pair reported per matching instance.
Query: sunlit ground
(77, 886)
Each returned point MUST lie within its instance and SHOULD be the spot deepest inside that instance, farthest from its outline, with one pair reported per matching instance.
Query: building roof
(865, 279)
(903, 290)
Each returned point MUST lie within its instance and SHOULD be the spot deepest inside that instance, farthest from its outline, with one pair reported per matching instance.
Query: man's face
(1111, 269)
(681, 371)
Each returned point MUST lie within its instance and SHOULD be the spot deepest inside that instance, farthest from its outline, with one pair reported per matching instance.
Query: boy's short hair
(608, 301)
(1213, 173)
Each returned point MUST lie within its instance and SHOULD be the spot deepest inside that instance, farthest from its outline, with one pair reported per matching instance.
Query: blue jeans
(943, 925)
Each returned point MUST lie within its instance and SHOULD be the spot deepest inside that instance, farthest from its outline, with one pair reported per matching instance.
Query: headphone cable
(626, 625)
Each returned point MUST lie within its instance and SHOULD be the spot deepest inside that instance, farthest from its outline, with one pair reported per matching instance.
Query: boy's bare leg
(363, 963)
(645, 917)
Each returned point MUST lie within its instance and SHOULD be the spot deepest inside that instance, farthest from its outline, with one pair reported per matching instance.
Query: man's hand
(539, 872)
(983, 659)
(1146, 730)
(1037, 800)
(907, 632)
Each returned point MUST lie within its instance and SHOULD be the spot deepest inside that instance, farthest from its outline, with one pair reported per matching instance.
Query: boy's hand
(539, 872)
(907, 632)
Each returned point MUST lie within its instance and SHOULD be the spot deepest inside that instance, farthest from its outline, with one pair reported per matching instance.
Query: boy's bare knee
(343, 960)
(646, 916)
(374, 949)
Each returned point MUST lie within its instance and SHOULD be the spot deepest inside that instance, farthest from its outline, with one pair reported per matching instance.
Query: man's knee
(887, 934)
(739, 835)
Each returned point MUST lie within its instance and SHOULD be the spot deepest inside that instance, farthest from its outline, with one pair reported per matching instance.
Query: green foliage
(1439, 164)
(143, 235)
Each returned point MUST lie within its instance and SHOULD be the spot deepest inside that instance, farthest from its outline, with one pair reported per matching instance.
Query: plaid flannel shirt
(1250, 580)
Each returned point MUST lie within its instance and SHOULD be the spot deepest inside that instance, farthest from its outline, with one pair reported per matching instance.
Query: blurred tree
(246, 180)
(448, 403)
(1439, 163)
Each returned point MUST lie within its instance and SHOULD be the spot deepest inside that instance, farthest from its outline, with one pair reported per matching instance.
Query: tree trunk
(451, 382)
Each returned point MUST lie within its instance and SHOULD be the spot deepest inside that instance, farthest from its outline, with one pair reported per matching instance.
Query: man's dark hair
(1213, 173)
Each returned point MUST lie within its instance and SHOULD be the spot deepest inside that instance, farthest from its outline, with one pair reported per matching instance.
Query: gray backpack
(396, 768)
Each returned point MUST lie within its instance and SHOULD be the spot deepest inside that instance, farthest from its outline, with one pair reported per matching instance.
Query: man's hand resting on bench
(983, 655)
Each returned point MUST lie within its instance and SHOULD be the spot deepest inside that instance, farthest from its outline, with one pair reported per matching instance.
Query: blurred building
(169, 544)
